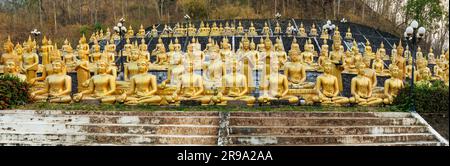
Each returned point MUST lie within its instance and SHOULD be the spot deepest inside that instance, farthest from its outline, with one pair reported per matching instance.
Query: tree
(426, 12)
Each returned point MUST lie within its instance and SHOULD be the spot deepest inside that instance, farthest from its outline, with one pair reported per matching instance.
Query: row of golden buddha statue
(226, 76)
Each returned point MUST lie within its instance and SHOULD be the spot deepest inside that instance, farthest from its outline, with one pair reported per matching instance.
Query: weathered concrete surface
(29, 127)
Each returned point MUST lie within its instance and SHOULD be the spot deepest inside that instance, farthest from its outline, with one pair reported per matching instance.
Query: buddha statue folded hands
(276, 87)
(361, 89)
(327, 87)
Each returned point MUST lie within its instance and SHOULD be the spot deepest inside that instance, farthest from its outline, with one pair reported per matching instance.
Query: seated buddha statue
(349, 62)
(214, 71)
(393, 85)
(175, 70)
(214, 30)
(107, 35)
(162, 58)
(234, 87)
(277, 29)
(109, 54)
(70, 59)
(327, 87)
(202, 30)
(266, 56)
(423, 72)
(143, 52)
(58, 86)
(190, 87)
(348, 35)
(141, 32)
(83, 70)
(96, 55)
(30, 61)
(308, 56)
(65, 46)
(419, 53)
(275, 87)
(438, 71)
(130, 32)
(302, 31)
(324, 34)
(409, 68)
(209, 45)
(382, 52)
(226, 53)
(431, 57)
(101, 86)
(322, 59)
(47, 70)
(142, 87)
(265, 29)
(378, 63)
(280, 53)
(295, 72)
(370, 73)
(240, 29)
(191, 30)
(166, 32)
(252, 30)
(361, 89)
(12, 69)
(368, 51)
(158, 48)
(295, 46)
(400, 60)
(9, 53)
(221, 29)
(289, 29)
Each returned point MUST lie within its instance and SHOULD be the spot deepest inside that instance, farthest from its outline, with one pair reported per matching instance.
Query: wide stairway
(28, 127)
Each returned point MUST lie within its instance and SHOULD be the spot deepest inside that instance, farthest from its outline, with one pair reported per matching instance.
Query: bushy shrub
(429, 97)
(13, 92)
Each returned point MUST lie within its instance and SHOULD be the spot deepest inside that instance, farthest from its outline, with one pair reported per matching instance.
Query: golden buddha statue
(83, 45)
(226, 53)
(234, 87)
(203, 31)
(96, 55)
(19, 52)
(265, 29)
(247, 56)
(349, 62)
(58, 86)
(130, 32)
(399, 60)
(260, 46)
(308, 56)
(409, 68)
(276, 87)
(295, 46)
(419, 53)
(101, 87)
(47, 70)
(382, 52)
(141, 32)
(361, 88)
(393, 53)
(92, 38)
(393, 85)
(161, 58)
(280, 53)
(227, 30)
(109, 53)
(295, 72)
(30, 61)
(176, 68)
(324, 34)
(154, 31)
(143, 52)
(327, 87)
(277, 29)
(142, 87)
(302, 31)
(378, 63)
(166, 32)
(438, 70)
(9, 53)
(192, 31)
(215, 70)
(431, 57)
(289, 29)
(324, 55)
(190, 87)
(65, 46)
(70, 59)
(158, 48)
(267, 55)
(83, 70)
(232, 29)
(107, 35)
(240, 29)
(368, 50)
(131, 68)
(348, 35)
(423, 72)
(221, 30)
(215, 30)
(209, 45)
(370, 73)
(12, 69)
(252, 30)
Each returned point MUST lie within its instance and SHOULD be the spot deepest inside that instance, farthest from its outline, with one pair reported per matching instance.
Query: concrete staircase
(328, 128)
(28, 127)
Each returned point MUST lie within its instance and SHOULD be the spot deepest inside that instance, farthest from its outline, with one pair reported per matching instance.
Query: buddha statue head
(328, 67)
(8, 46)
(400, 48)
(252, 45)
(268, 43)
(142, 66)
(368, 47)
(395, 71)
(19, 49)
(11, 67)
(102, 67)
(171, 47)
(45, 41)
(245, 42)
(225, 44)
(58, 66)
(295, 56)
(324, 45)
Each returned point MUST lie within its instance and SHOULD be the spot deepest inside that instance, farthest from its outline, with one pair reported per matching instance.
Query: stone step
(320, 130)
(324, 121)
(111, 113)
(58, 128)
(321, 114)
(328, 139)
(28, 143)
(94, 119)
(101, 138)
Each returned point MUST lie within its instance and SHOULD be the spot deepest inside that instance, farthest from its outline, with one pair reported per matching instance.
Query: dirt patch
(439, 121)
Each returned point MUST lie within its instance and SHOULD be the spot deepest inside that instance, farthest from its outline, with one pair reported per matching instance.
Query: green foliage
(13, 92)
(98, 27)
(426, 12)
(84, 30)
(196, 9)
(429, 97)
